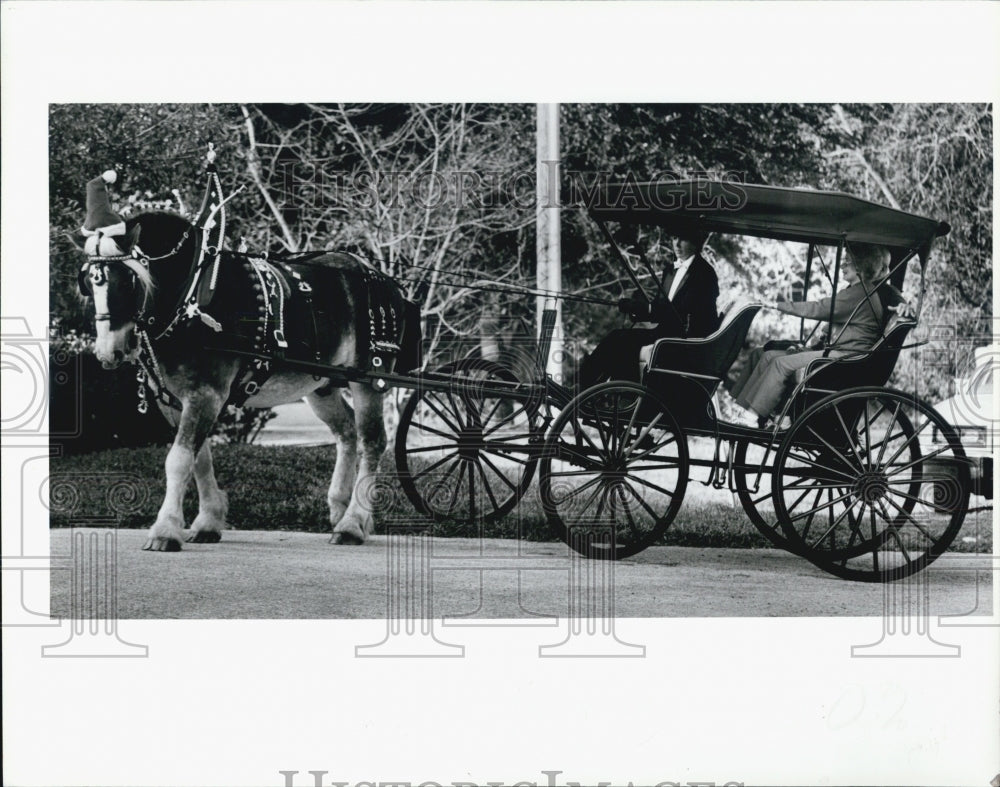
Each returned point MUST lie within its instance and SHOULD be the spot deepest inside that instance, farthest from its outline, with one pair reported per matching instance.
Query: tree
(934, 160)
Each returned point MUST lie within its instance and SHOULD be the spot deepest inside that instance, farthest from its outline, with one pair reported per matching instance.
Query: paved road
(298, 575)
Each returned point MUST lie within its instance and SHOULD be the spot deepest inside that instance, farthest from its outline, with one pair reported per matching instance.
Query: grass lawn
(284, 488)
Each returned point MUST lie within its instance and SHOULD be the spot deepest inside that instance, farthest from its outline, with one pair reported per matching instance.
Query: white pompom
(109, 176)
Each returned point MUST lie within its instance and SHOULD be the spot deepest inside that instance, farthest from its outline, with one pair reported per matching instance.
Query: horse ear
(133, 236)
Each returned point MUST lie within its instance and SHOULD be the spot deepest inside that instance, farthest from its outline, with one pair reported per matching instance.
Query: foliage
(441, 195)
(241, 424)
(92, 409)
(935, 160)
(284, 488)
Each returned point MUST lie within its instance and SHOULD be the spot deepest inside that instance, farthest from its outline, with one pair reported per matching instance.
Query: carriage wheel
(465, 454)
(857, 494)
(758, 503)
(613, 471)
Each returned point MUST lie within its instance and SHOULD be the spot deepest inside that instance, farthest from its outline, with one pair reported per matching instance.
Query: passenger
(689, 310)
(862, 311)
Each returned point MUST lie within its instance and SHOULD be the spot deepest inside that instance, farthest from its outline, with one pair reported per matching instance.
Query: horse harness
(271, 284)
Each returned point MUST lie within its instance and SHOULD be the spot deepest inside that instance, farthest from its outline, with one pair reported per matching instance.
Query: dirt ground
(291, 575)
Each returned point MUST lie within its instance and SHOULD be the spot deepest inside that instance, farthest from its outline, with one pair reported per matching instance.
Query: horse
(150, 309)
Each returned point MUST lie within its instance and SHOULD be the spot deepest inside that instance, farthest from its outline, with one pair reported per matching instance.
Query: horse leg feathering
(212, 502)
(330, 407)
(356, 524)
(201, 408)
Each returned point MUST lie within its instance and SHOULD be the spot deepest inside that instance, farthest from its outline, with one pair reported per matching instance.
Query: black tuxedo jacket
(693, 311)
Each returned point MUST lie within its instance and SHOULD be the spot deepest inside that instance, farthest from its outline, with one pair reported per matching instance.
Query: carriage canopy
(808, 216)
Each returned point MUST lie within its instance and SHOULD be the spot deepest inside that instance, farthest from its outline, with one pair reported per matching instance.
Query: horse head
(135, 280)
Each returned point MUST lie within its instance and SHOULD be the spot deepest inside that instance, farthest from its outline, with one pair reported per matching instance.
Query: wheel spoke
(847, 462)
(614, 429)
(487, 487)
(425, 448)
(472, 495)
(436, 465)
(908, 465)
(455, 409)
(506, 453)
(855, 525)
(508, 419)
(651, 485)
(599, 425)
(868, 441)
(828, 504)
(571, 473)
(810, 462)
(580, 431)
(581, 488)
(433, 431)
(498, 473)
(833, 524)
(642, 436)
(442, 483)
(812, 515)
(661, 466)
(649, 451)
(441, 412)
(899, 541)
(458, 486)
(875, 544)
(850, 439)
(492, 412)
(802, 497)
(831, 485)
(912, 437)
(643, 503)
(600, 505)
(924, 479)
(628, 514)
(631, 420)
(571, 453)
(933, 506)
(920, 528)
(892, 423)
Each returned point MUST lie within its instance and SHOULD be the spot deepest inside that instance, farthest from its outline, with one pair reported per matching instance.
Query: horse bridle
(94, 272)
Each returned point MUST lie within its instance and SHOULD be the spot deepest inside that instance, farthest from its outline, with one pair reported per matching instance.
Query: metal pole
(548, 240)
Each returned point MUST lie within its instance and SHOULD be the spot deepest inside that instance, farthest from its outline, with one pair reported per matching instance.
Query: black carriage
(847, 483)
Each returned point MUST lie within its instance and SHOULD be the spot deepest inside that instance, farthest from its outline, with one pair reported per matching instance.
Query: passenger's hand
(904, 310)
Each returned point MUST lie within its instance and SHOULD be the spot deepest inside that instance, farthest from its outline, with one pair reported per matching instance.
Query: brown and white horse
(312, 308)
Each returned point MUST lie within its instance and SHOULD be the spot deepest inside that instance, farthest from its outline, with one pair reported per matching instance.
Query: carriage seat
(860, 369)
(710, 356)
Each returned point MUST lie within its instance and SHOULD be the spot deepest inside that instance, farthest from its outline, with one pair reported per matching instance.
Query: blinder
(96, 272)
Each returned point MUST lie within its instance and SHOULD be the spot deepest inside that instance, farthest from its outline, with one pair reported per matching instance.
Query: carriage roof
(809, 216)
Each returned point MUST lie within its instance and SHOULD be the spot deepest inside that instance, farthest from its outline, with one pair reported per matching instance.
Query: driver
(688, 311)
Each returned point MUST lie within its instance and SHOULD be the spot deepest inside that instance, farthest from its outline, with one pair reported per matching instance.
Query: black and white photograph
(343, 406)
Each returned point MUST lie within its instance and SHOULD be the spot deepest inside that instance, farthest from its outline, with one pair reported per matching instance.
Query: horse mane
(163, 226)
(144, 277)
(159, 222)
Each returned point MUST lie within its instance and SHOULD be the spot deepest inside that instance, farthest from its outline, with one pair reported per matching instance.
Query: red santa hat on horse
(104, 229)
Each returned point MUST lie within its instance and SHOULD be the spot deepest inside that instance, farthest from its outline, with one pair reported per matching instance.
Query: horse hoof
(204, 537)
(162, 545)
(344, 537)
